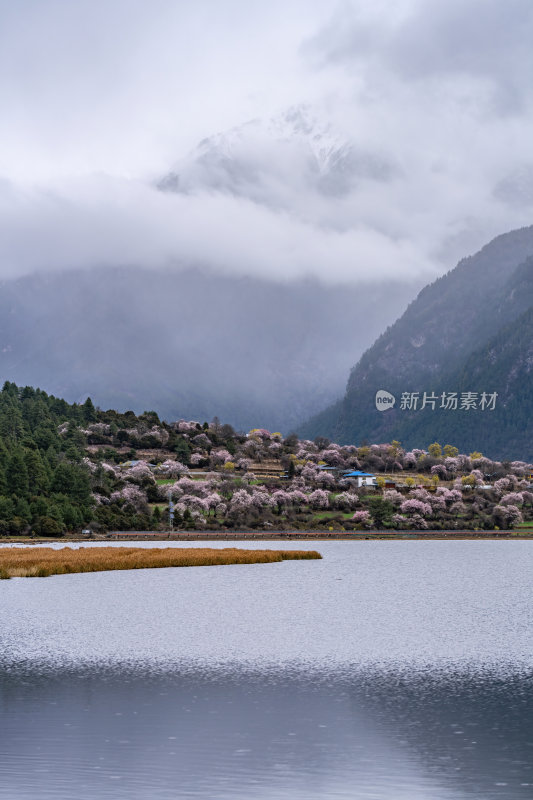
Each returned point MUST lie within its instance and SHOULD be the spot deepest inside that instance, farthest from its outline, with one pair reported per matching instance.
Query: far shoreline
(232, 536)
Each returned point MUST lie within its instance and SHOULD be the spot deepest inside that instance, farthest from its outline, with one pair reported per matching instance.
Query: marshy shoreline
(41, 562)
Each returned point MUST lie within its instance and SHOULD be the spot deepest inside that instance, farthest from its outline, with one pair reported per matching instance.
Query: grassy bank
(40, 562)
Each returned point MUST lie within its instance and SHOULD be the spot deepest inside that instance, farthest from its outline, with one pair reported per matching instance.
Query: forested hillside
(43, 479)
(468, 333)
(64, 468)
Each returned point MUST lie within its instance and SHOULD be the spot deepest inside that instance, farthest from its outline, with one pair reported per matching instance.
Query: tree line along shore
(72, 468)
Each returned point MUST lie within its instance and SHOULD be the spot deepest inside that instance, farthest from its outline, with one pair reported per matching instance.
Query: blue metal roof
(358, 474)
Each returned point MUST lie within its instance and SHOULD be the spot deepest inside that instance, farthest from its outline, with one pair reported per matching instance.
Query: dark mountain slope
(504, 365)
(458, 335)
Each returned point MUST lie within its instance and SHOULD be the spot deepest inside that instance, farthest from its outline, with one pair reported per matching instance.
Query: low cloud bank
(112, 222)
(387, 142)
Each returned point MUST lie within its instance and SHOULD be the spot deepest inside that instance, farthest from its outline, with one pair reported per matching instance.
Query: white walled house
(361, 478)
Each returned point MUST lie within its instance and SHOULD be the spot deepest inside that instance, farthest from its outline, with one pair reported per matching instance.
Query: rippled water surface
(386, 670)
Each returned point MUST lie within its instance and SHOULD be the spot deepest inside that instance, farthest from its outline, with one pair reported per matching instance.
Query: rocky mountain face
(468, 332)
(253, 160)
(190, 344)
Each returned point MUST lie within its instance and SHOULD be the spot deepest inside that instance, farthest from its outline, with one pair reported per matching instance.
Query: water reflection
(236, 735)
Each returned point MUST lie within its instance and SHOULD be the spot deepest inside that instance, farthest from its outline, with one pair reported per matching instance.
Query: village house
(361, 478)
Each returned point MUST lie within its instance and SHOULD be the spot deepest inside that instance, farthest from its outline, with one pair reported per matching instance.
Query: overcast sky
(101, 98)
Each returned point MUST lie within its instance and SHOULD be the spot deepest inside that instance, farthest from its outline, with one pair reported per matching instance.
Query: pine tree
(17, 474)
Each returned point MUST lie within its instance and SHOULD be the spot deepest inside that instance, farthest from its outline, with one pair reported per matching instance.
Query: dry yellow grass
(40, 562)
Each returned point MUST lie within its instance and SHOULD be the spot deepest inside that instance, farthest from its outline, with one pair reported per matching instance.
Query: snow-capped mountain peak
(271, 161)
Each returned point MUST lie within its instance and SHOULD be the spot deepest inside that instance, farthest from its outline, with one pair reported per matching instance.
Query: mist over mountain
(280, 198)
(190, 344)
(253, 160)
(215, 210)
(265, 343)
(469, 331)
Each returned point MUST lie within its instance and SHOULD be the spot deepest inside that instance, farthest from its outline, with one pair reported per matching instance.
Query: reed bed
(40, 562)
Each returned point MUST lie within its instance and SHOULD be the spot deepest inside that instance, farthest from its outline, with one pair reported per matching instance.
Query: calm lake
(398, 670)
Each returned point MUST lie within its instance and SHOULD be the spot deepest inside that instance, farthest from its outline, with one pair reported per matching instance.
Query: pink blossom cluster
(437, 502)
(201, 440)
(240, 500)
(158, 433)
(186, 427)
(319, 499)
(138, 472)
(416, 522)
(198, 518)
(281, 498)
(309, 473)
(326, 479)
(220, 456)
(99, 427)
(501, 485)
(393, 496)
(173, 469)
(173, 491)
(458, 507)
(508, 515)
(130, 495)
(108, 468)
(252, 448)
(449, 495)
(452, 465)
(413, 506)
(420, 494)
(212, 500)
(346, 501)
(189, 486)
(191, 501)
(332, 457)
(262, 499)
(260, 433)
(100, 499)
(398, 520)
(478, 476)
(409, 461)
(298, 498)
(512, 499)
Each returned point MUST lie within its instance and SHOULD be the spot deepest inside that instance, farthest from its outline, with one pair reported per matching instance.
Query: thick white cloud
(108, 222)
(125, 86)
(430, 103)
